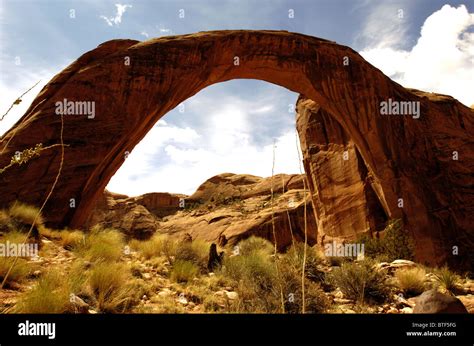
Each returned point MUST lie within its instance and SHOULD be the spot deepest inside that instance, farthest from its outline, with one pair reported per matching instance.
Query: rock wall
(344, 201)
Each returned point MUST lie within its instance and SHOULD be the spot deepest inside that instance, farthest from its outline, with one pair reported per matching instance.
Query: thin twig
(288, 215)
(274, 236)
(18, 100)
(303, 309)
(44, 203)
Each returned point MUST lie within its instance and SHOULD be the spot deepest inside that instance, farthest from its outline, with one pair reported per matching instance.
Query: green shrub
(109, 283)
(18, 273)
(294, 258)
(49, 296)
(411, 281)
(255, 269)
(266, 286)
(396, 243)
(255, 244)
(447, 279)
(159, 244)
(72, 239)
(183, 271)
(360, 281)
(102, 245)
(196, 252)
(290, 282)
(25, 213)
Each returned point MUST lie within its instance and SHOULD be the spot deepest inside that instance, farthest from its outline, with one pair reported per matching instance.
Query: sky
(239, 125)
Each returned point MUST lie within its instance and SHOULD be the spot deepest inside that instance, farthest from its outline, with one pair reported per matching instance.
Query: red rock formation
(234, 206)
(124, 214)
(350, 197)
(133, 84)
(238, 206)
(160, 203)
(344, 201)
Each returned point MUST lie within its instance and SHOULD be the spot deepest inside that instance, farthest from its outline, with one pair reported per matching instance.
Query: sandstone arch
(407, 158)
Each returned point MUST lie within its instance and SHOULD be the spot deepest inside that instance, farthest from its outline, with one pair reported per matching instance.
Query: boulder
(434, 302)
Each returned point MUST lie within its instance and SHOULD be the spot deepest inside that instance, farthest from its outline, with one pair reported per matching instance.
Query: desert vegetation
(100, 271)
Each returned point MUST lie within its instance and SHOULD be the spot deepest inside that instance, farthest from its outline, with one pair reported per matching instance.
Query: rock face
(345, 203)
(124, 214)
(409, 159)
(160, 203)
(226, 209)
(136, 217)
(236, 206)
(415, 175)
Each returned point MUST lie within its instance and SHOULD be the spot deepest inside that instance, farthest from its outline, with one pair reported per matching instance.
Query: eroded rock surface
(237, 206)
(418, 177)
(136, 217)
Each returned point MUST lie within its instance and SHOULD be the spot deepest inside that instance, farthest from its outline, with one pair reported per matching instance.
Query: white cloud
(144, 33)
(117, 19)
(179, 159)
(385, 24)
(24, 80)
(189, 167)
(163, 31)
(441, 61)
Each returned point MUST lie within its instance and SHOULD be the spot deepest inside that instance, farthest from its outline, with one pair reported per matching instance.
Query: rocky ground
(209, 292)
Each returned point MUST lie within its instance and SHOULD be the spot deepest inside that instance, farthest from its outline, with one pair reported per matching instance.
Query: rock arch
(133, 84)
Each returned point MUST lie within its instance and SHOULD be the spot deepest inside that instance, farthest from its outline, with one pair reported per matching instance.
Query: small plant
(290, 280)
(255, 244)
(18, 273)
(25, 213)
(294, 258)
(396, 243)
(411, 281)
(49, 296)
(102, 245)
(212, 303)
(361, 282)
(196, 252)
(183, 271)
(22, 268)
(447, 279)
(72, 239)
(157, 245)
(109, 283)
